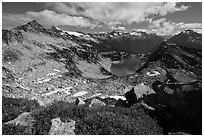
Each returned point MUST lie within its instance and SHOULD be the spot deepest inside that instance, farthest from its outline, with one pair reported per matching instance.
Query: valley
(136, 78)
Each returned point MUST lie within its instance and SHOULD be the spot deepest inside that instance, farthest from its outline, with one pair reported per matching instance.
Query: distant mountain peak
(55, 28)
(32, 25)
(188, 38)
(141, 31)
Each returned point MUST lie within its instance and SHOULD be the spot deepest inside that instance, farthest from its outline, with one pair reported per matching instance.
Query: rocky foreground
(59, 84)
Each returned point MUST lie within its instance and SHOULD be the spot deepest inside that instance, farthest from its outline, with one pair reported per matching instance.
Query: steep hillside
(175, 74)
(188, 39)
(37, 60)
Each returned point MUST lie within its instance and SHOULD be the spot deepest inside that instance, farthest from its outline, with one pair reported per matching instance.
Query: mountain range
(50, 64)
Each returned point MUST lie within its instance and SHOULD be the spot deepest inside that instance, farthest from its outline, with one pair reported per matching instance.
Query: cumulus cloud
(51, 17)
(113, 15)
(117, 13)
(164, 27)
(48, 17)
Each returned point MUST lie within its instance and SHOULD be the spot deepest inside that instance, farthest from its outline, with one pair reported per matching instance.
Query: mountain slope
(175, 73)
(37, 60)
(188, 39)
(134, 42)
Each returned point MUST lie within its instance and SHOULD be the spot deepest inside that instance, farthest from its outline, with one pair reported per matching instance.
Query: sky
(162, 18)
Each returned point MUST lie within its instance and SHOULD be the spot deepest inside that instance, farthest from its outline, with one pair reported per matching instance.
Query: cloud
(51, 17)
(13, 20)
(48, 18)
(112, 13)
(164, 27)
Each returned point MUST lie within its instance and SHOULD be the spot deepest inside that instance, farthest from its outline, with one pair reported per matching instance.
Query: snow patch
(74, 33)
(153, 73)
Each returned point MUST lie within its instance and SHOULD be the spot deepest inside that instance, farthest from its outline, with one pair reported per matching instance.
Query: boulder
(131, 97)
(24, 119)
(168, 90)
(79, 101)
(184, 76)
(96, 103)
(137, 92)
(62, 128)
(142, 89)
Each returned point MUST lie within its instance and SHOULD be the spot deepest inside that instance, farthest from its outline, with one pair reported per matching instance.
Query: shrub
(13, 130)
(11, 107)
(105, 120)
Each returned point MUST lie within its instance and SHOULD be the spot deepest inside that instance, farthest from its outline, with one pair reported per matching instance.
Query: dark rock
(183, 107)
(121, 103)
(79, 101)
(137, 93)
(131, 97)
(12, 36)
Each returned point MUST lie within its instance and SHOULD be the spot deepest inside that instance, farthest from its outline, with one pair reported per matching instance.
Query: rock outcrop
(137, 93)
(24, 119)
(62, 128)
(96, 103)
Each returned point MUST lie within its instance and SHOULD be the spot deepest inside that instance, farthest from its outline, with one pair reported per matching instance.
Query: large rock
(131, 97)
(183, 106)
(62, 128)
(24, 119)
(183, 76)
(96, 103)
(137, 92)
(79, 101)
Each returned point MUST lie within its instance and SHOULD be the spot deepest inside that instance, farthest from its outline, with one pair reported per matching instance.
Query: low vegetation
(105, 120)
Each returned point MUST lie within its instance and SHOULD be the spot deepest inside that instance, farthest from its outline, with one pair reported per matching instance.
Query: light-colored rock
(79, 101)
(168, 90)
(81, 93)
(184, 76)
(24, 119)
(118, 97)
(62, 128)
(51, 74)
(153, 73)
(142, 89)
(95, 103)
(137, 92)
(56, 70)
(65, 90)
(95, 95)
(114, 97)
(146, 106)
(44, 80)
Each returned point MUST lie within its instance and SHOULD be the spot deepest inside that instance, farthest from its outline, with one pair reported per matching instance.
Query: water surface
(126, 66)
